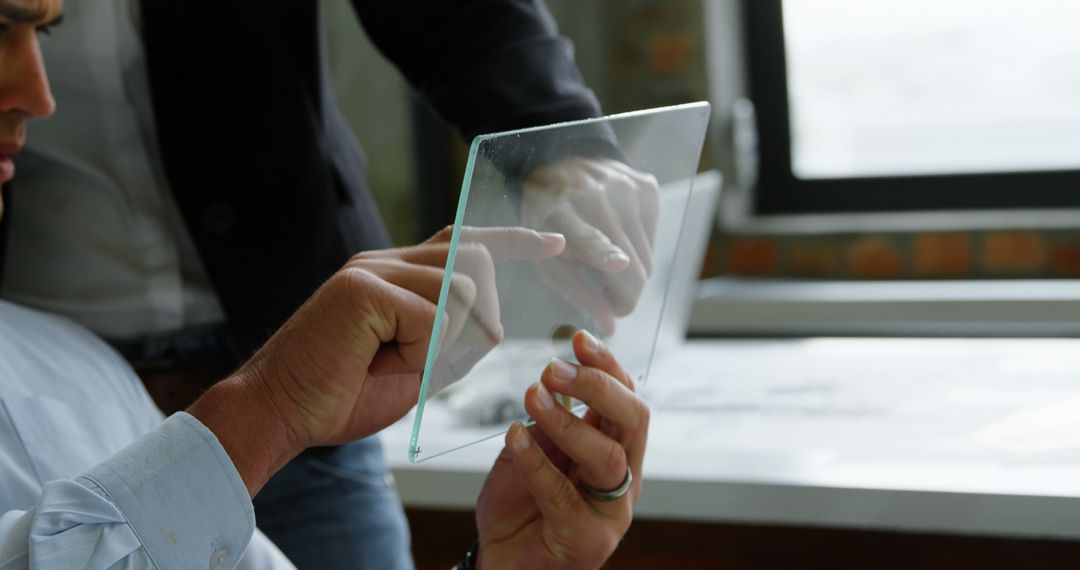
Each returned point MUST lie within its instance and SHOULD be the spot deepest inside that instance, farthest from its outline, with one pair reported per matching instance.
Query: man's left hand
(533, 511)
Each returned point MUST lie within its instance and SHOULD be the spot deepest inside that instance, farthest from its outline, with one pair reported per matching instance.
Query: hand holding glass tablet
(586, 242)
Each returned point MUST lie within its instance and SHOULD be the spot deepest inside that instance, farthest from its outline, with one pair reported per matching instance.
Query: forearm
(241, 413)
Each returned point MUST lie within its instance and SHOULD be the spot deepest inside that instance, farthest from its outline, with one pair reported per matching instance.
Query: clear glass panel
(932, 86)
(511, 297)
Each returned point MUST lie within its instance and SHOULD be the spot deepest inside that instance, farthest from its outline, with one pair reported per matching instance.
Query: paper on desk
(1040, 431)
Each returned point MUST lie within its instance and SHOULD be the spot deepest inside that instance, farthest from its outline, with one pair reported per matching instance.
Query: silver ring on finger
(612, 495)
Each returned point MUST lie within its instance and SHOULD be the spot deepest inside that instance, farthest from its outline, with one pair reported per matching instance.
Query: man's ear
(5, 195)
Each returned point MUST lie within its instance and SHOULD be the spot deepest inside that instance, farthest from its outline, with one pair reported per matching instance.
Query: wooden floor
(441, 537)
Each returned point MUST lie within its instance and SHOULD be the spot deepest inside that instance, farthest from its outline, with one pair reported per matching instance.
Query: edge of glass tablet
(605, 118)
(444, 290)
(678, 241)
(579, 410)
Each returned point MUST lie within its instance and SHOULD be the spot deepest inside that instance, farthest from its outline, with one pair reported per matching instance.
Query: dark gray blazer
(265, 170)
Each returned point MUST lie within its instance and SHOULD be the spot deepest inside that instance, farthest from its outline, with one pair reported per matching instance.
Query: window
(915, 106)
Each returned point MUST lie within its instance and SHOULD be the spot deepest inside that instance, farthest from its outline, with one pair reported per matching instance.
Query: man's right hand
(347, 364)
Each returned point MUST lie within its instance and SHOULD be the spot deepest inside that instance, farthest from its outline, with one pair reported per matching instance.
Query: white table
(977, 436)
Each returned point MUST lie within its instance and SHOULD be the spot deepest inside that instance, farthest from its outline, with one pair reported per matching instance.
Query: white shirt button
(220, 559)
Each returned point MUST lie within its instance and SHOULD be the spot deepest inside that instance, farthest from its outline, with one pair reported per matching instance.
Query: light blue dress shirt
(90, 477)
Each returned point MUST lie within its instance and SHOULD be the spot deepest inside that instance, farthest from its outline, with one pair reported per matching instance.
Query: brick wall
(932, 255)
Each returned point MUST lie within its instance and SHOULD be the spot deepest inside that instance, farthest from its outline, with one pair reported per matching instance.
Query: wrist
(240, 412)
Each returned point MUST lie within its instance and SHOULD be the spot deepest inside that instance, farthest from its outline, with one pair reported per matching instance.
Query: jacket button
(217, 217)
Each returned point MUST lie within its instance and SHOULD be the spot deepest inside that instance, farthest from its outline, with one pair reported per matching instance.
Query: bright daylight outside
(930, 87)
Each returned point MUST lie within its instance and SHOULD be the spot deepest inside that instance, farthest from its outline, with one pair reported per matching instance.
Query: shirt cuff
(181, 495)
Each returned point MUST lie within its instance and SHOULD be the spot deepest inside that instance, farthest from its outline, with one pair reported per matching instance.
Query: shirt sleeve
(171, 499)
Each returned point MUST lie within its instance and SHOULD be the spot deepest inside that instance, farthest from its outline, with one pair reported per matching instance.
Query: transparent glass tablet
(535, 255)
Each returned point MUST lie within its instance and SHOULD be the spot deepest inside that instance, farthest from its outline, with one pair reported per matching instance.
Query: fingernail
(563, 369)
(521, 439)
(554, 236)
(590, 342)
(542, 394)
(617, 258)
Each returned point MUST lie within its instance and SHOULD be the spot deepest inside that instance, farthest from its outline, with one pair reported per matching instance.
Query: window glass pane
(932, 86)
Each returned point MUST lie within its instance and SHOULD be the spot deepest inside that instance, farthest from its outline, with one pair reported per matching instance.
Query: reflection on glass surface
(932, 86)
(559, 228)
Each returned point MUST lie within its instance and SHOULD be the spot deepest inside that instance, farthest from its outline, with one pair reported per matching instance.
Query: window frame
(995, 308)
(779, 192)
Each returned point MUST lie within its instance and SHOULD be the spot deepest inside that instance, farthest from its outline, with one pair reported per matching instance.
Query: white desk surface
(976, 436)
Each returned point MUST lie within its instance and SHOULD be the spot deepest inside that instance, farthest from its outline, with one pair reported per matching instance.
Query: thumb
(405, 331)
